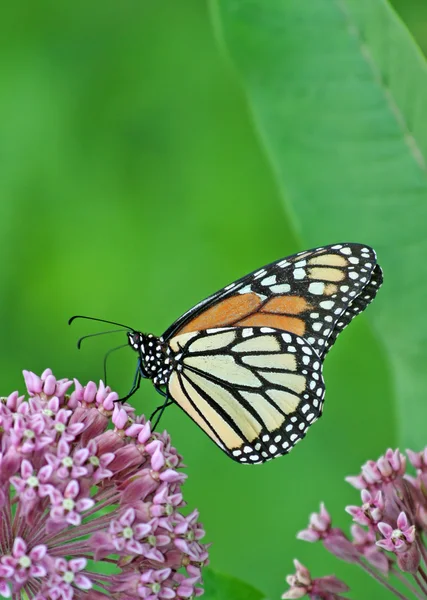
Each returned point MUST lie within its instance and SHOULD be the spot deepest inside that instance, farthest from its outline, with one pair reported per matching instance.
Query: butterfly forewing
(253, 390)
(313, 294)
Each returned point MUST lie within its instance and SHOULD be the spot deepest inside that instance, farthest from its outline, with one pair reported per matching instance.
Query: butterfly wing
(313, 294)
(253, 390)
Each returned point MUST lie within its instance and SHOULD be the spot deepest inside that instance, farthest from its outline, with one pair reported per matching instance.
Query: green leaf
(224, 587)
(338, 92)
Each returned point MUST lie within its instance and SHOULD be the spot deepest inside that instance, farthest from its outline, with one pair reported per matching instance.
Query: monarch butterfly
(246, 363)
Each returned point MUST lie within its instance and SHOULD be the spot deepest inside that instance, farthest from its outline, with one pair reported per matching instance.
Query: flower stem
(381, 580)
(407, 583)
(421, 585)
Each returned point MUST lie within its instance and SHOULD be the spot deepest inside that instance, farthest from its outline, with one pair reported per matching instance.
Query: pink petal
(19, 547)
(84, 504)
(127, 518)
(72, 489)
(402, 521)
(83, 582)
(90, 392)
(385, 529)
(38, 571)
(5, 590)
(144, 434)
(49, 385)
(38, 552)
(73, 518)
(308, 535)
(26, 469)
(119, 417)
(77, 564)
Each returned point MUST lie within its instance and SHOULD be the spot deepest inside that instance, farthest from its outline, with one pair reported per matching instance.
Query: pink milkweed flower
(324, 588)
(371, 511)
(82, 478)
(397, 539)
(318, 527)
(388, 538)
(384, 470)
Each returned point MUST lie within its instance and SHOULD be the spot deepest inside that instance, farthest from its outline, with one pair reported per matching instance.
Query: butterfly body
(246, 363)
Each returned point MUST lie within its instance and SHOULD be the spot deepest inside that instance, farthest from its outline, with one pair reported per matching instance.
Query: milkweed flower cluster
(388, 534)
(91, 500)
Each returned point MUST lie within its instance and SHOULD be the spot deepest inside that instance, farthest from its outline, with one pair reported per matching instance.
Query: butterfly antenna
(90, 335)
(107, 354)
(99, 321)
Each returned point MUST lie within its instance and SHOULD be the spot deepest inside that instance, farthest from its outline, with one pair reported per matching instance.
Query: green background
(133, 184)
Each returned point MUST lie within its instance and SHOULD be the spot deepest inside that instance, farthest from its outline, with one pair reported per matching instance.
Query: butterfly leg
(135, 386)
(160, 409)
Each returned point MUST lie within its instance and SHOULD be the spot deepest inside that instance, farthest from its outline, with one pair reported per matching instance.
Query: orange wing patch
(248, 310)
(225, 313)
(286, 305)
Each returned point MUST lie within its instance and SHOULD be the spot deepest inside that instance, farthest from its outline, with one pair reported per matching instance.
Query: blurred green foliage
(133, 184)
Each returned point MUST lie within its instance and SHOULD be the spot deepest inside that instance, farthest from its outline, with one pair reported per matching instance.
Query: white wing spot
(283, 263)
(292, 349)
(345, 251)
(311, 340)
(245, 290)
(306, 360)
(353, 275)
(300, 263)
(337, 247)
(344, 288)
(293, 437)
(237, 452)
(317, 326)
(307, 350)
(247, 449)
(354, 260)
(299, 273)
(327, 304)
(314, 315)
(281, 288)
(310, 417)
(317, 287)
(265, 438)
(259, 273)
(285, 445)
(247, 332)
(287, 338)
(269, 280)
(272, 449)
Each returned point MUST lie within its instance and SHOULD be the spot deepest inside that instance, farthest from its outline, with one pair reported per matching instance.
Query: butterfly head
(137, 341)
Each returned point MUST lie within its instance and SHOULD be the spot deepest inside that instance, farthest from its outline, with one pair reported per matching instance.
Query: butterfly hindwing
(253, 390)
(313, 294)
